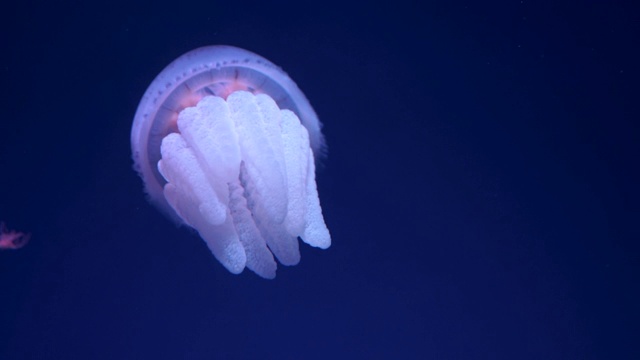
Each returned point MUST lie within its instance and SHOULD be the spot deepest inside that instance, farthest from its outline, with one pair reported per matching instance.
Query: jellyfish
(226, 143)
(11, 239)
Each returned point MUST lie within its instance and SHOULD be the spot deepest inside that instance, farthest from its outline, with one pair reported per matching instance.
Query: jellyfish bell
(225, 143)
(212, 70)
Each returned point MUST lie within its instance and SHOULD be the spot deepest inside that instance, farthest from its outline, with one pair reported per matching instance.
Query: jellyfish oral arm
(241, 172)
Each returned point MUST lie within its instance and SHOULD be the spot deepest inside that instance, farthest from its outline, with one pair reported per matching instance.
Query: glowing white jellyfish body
(225, 142)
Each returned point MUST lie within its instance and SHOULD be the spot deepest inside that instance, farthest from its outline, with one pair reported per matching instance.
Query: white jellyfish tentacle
(250, 179)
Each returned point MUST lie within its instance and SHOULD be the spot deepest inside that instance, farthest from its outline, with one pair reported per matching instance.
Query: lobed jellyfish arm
(241, 172)
(12, 240)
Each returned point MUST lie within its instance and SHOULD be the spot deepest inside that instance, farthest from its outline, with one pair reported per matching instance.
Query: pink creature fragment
(11, 239)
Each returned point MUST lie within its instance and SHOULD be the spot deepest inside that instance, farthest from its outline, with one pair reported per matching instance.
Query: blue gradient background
(481, 186)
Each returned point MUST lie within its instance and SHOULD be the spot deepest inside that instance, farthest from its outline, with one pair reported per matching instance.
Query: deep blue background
(481, 186)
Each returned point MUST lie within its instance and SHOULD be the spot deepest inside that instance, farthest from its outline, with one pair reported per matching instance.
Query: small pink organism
(11, 239)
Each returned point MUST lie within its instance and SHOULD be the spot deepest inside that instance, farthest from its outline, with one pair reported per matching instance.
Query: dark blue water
(481, 185)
